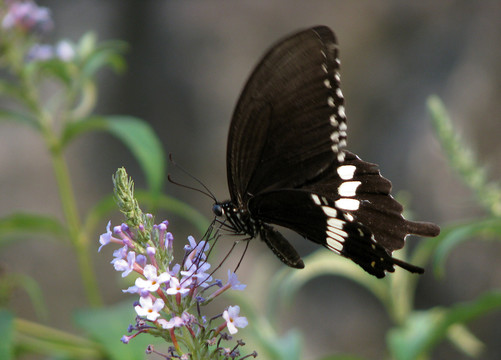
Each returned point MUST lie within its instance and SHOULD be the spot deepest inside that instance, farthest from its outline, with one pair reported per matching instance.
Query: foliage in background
(28, 66)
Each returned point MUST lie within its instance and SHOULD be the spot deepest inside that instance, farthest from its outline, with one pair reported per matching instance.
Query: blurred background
(187, 63)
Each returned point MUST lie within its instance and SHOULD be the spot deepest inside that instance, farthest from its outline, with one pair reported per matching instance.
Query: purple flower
(105, 238)
(233, 281)
(126, 266)
(197, 274)
(40, 52)
(28, 17)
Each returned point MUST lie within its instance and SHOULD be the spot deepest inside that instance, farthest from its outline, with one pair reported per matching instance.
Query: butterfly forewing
(287, 117)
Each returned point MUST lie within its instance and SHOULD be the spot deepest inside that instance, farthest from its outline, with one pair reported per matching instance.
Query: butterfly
(287, 164)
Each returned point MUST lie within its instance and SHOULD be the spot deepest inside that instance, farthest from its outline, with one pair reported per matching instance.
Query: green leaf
(17, 116)
(425, 329)
(320, 263)
(342, 357)
(13, 281)
(87, 44)
(6, 334)
(19, 223)
(136, 134)
(457, 234)
(289, 346)
(102, 57)
(107, 326)
(57, 68)
(96, 55)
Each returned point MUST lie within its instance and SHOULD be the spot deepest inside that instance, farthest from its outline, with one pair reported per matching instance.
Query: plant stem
(78, 238)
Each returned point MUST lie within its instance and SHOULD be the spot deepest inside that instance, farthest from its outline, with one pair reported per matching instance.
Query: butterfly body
(287, 164)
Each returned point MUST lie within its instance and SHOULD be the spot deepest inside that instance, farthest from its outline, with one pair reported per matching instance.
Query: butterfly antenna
(207, 192)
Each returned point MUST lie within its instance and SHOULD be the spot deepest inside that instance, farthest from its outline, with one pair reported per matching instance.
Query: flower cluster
(169, 292)
(29, 19)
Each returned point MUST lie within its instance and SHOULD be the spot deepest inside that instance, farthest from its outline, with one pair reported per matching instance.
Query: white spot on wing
(316, 200)
(340, 157)
(339, 93)
(334, 236)
(346, 172)
(335, 136)
(348, 188)
(334, 245)
(333, 120)
(330, 102)
(342, 126)
(349, 217)
(335, 223)
(330, 212)
(327, 84)
(348, 204)
(332, 230)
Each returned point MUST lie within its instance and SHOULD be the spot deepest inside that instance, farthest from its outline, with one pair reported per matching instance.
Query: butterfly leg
(281, 247)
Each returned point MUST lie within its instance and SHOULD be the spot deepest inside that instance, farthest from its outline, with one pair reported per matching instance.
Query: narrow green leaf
(17, 116)
(342, 357)
(20, 223)
(14, 281)
(6, 334)
(87, 44)
(320, 263)
(107, 326)
(100, 58)
(425, 329)
(57, 68)
(136, 134)
(457, 234)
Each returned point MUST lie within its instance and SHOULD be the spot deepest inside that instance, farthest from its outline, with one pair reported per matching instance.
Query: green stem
(78, 238)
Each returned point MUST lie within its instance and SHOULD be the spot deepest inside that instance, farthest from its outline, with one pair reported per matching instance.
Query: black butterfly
(287, 165)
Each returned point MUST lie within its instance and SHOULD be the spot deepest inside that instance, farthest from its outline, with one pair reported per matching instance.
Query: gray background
(187, 63)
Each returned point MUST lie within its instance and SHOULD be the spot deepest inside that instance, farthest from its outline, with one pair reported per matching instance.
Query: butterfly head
(218, 209)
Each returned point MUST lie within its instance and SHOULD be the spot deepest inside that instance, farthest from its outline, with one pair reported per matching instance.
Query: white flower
(149, 309)
(176, 287)
(65, 50)
(152, 282)
(233, 320)
(176, 321)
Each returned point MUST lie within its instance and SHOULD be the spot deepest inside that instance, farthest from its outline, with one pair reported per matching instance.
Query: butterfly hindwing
(318, 219)
(289, 119)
